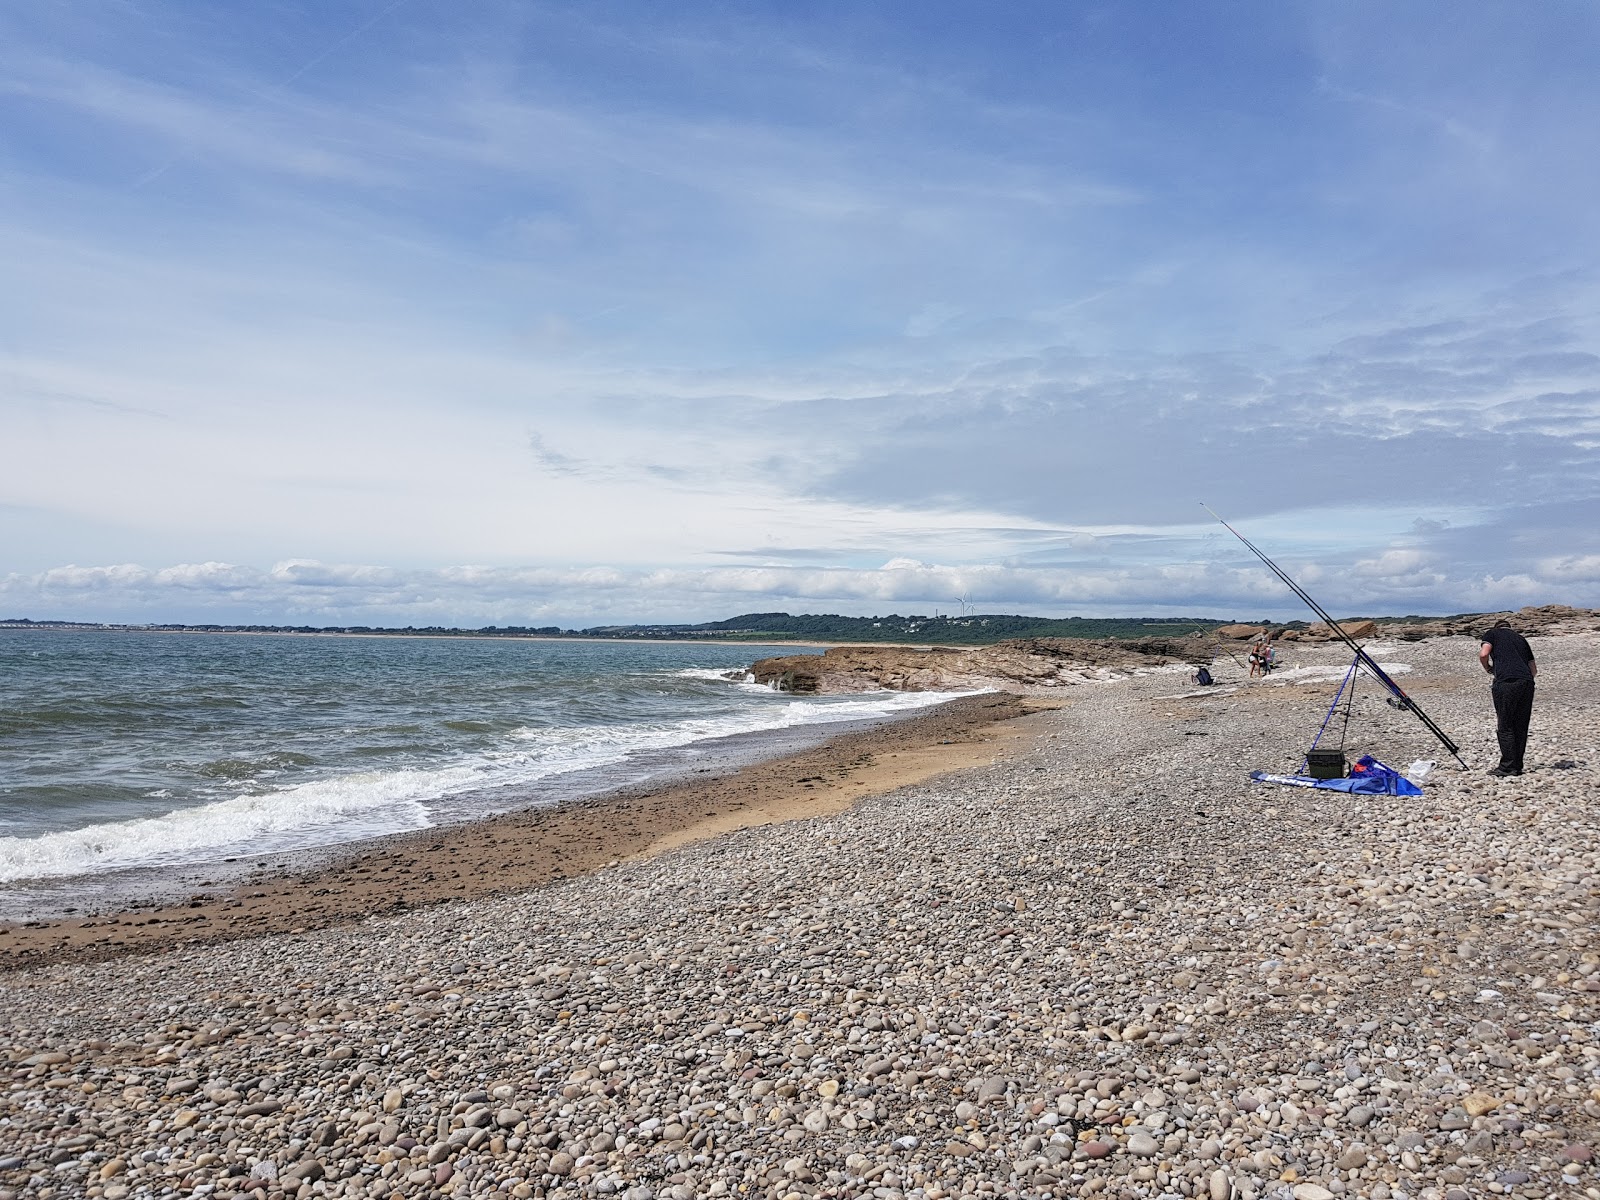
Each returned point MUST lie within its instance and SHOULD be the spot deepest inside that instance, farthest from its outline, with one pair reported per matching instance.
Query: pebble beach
(1103, 964)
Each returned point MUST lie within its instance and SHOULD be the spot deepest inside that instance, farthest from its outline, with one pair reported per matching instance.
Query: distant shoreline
(41, 627)
(820, 643)
(761, 628)
(912, 630)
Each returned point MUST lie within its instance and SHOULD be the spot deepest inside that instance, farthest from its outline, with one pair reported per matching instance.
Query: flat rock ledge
(1025, 663)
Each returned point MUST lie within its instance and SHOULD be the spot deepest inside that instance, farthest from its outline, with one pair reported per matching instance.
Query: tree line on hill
(963, 629)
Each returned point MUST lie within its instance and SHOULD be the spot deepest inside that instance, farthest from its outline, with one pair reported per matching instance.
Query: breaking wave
(363, 804)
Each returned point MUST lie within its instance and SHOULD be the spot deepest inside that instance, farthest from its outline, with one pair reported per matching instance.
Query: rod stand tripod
(1347, 693)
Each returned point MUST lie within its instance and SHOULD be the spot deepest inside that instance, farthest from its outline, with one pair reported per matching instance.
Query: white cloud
(1401, 567)
(1572, 569)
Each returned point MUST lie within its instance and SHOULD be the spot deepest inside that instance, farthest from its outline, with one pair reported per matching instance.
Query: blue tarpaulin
(1368, 777)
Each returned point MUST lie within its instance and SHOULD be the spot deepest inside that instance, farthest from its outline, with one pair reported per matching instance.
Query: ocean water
(127, 750)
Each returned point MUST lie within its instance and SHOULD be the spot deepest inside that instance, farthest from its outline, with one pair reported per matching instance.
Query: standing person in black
(1506, 655)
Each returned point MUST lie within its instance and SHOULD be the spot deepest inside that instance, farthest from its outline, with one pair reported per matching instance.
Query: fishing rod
(1219, 646)
(1365, 659)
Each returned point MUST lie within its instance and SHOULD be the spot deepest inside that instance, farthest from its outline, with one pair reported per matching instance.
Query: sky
(413, 312)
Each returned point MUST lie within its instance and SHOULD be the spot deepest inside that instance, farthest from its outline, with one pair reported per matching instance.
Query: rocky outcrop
(1541, 621)
(1063, 662)
(1534, 622)
(1022, 662)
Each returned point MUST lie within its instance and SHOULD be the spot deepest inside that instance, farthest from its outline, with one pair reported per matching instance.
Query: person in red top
(1506, 655)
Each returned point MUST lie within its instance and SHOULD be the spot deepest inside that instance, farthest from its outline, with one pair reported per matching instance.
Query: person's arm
(1485, 658)
(1533, 668)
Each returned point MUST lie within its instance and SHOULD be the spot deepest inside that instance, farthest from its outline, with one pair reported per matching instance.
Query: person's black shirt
(1509, 653)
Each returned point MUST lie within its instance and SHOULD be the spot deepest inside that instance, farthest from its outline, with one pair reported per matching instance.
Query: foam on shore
(368, 804)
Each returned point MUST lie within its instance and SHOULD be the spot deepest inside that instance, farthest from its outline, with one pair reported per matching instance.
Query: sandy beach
(1072, 953)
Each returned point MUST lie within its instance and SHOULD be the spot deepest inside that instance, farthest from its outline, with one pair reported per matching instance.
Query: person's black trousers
(1513, 709)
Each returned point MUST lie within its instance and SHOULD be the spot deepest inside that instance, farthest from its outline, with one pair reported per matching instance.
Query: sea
(142, 751)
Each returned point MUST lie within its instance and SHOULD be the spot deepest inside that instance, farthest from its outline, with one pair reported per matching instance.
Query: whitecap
(345, 806)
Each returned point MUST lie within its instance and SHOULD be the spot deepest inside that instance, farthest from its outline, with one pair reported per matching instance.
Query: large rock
(1356, 628)
(1239, 633)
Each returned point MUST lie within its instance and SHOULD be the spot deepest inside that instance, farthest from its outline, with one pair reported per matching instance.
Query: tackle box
(1327, 764)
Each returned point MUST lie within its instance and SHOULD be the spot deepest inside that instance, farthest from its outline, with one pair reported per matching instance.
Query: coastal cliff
(1025, 662)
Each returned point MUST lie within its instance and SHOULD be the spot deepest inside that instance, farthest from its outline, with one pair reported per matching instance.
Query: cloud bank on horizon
(553, 313)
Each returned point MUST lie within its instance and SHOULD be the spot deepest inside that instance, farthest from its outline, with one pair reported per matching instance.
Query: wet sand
(537, 846)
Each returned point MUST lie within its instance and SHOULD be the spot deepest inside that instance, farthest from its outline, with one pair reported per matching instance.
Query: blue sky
(539, 313)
